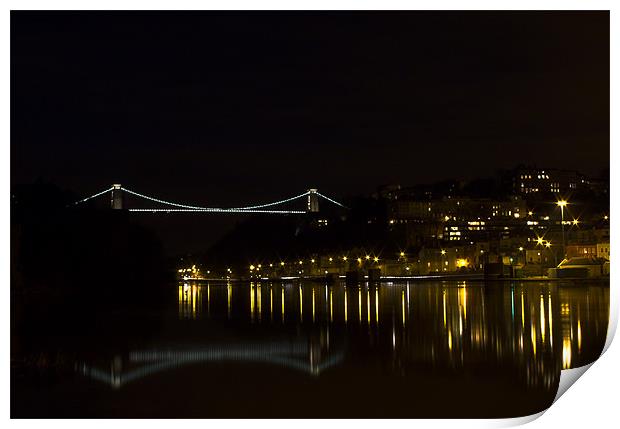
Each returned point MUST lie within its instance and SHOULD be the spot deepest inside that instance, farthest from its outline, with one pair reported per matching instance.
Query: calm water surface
(304, 349)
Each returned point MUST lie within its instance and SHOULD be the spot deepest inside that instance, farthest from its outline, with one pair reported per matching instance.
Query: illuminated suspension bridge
(116, 202)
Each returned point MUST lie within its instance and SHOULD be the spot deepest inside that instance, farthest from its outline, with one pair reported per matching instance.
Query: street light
(562, 204)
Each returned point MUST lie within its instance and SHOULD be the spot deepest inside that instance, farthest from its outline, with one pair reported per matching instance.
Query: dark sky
(228, 108)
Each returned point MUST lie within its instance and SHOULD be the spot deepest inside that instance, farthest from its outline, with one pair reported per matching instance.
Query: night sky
(233, 108)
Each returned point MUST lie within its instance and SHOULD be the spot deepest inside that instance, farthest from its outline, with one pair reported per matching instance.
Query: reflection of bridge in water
(531, 329)
(539, 328)
(304, 356)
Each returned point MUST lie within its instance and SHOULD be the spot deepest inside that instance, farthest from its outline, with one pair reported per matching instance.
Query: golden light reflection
(345, 306)
(259, 301)
(193, 301)
(301, 303)
(522, 310)
(359, 305)
(313, 306)
(402, 300)
(377, 306)
(229, 292)
(251, 302)
(464, 290)
(579, 334)
(550, 323)
(483, 337)
(443, 293)
(368, 305)
(542, 318)
(533, 331)
(566, 353)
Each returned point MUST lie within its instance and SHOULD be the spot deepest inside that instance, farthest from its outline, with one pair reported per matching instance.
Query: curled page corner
(516, 421)
(568, 377)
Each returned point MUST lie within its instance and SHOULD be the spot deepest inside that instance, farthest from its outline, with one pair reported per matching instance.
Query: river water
(304, 349)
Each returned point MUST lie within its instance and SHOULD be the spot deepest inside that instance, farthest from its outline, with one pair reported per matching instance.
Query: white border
(590, 402)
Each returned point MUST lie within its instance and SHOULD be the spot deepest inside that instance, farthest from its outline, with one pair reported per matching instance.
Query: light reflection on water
(442, 323)
(497, 346)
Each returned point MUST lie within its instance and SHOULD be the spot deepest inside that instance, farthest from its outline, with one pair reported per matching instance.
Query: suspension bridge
(116, 192)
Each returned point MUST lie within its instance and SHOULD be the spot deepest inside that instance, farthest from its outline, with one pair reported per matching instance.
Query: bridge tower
(313, 201)
(117, 196)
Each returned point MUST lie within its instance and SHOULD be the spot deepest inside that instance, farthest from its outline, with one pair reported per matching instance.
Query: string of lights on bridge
(179, 207)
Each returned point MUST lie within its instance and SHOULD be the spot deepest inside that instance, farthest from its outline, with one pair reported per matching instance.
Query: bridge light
(520, 249)
(331, 259)
(252, 267)
(270, 265)
(376, 259)
(548, 244)
(359, 260)
(301, 262)
(402, 254)
(443, 252)
(282, 263)
(312, 260)
(367, 257)
(344, 258)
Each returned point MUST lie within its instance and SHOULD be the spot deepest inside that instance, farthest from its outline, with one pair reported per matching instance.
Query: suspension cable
(219, 211)
(170, 203)
(185, 206)
(330, 200)
(93, 196)
(272, 204)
